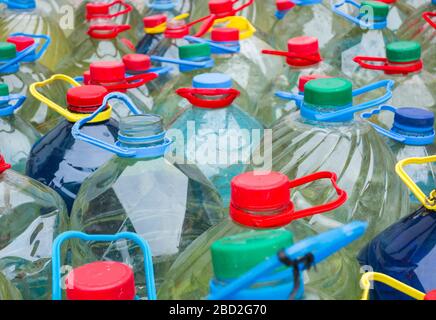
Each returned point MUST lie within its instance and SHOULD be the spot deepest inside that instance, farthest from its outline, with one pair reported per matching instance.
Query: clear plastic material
(7, 290)
(31, 215)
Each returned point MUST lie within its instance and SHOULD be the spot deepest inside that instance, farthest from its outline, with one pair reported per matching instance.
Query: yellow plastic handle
(366, 279)
(246, 29)
(428, 202)
(163, 26)
(70, 116)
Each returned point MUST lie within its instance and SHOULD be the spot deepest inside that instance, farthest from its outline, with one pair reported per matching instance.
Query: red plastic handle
(3, 165)
(428, 17)
(131, 82)
(107, 31)
(191, 94)
(386, 67)
(127, 9)
(295, 59)
(289, 215)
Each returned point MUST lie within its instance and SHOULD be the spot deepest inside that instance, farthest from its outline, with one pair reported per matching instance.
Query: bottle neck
(141, 131)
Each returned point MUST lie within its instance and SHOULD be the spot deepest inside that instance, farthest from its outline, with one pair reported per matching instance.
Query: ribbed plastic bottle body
(63, 163)
(16, 140)
(168, 206)
(31, 216)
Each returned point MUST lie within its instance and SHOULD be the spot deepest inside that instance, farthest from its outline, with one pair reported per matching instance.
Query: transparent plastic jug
(57, 159)
(31, 215)
(36, 17)
(16, 135)
(224, 136)
(404, 251)
(138, 190)
(261, 201)
(19, 68)
(7, 290)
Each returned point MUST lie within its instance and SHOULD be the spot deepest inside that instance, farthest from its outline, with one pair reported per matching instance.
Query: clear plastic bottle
(31, 215)
(35, 17)
(14, 129)
(7, 290)
(224, 136)
(140, 191)
(20, 68)
(169, 8)
(261, 201)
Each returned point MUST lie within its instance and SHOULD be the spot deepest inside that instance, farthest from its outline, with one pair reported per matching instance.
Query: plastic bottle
(415, 85)
(7, 290)
(222, 134)
(31, 215)
(261, 201)
(404, 251)
(138, 190)
(324, 135)
(169, 8)
(410, 134)
(62, 162)
(16, 135)
(32, 17)
(19, 68)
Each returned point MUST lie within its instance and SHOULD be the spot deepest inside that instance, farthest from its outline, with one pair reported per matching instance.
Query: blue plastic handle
(56, 257)
(160, 71)
(356, 20)
(44, 45)
(10, 109)
(16, 5)
(202, 64)
(297, 98)
(321, 247)
(213, 44)
(163, 5)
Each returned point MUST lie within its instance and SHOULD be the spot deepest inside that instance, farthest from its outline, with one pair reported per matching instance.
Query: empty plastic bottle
(31, 216)
(62, 162)
(16, 135)
(410, 134)
(217, 135)
(261, 201)
(19, 68)
(324, 135)
(414, 84)
(405, 250)
(140, 191)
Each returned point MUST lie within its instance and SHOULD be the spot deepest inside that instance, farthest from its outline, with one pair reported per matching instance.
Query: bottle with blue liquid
(20, 67)
(405, 250)
(17, 136)
(31, 216)
(217, 135)
(261, 203)
(37, 17)
(140, 190)
(60, 161)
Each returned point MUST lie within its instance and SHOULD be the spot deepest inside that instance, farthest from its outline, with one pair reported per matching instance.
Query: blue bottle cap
(212, 81)
(411, 118)
(21, 4)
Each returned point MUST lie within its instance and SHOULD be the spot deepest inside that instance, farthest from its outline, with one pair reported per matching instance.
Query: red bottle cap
(85, 99)
(86, 77)
(283, 5)
(431, 295)
(303, 46)
(96, 9)
(102, 280)
(220, 6)
(21, 42)
(137, 62)
(3, 164)
(107, 72)
(225, 34)
(387, 1)
(176, 29)
(154, 21)
(306, 78)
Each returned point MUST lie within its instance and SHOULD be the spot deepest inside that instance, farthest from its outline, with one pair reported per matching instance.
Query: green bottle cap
(4, 90)
(379, 9)
(233, 256)
(7, 51)
(328, 92)
(403, 51)
(195, 50)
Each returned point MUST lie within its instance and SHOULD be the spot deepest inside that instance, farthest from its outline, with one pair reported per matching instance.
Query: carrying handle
(428, 17)
(366, 279)
(163, 5)
(163, 26)
(298, 98)
(10, 109)
(388, 84)
(370, 25)
(127, 9)
(212, 44)
(428, 202)
(107, 31)
(56, 258)
(383, 131)
(134, 81)
(202, 64)
(191, 94)
(242, 24)
(386, 67)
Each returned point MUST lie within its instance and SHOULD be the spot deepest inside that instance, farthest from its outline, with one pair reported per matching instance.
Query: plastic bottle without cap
(367, 36)
(303, 63)
(210, 123)
(409, 134)
(33, 17)
(260, 201)
(324, 135)
(62, 162)
(18, 71)
(31, 216)
(140, 191)
(16, 135)
(415, 85)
